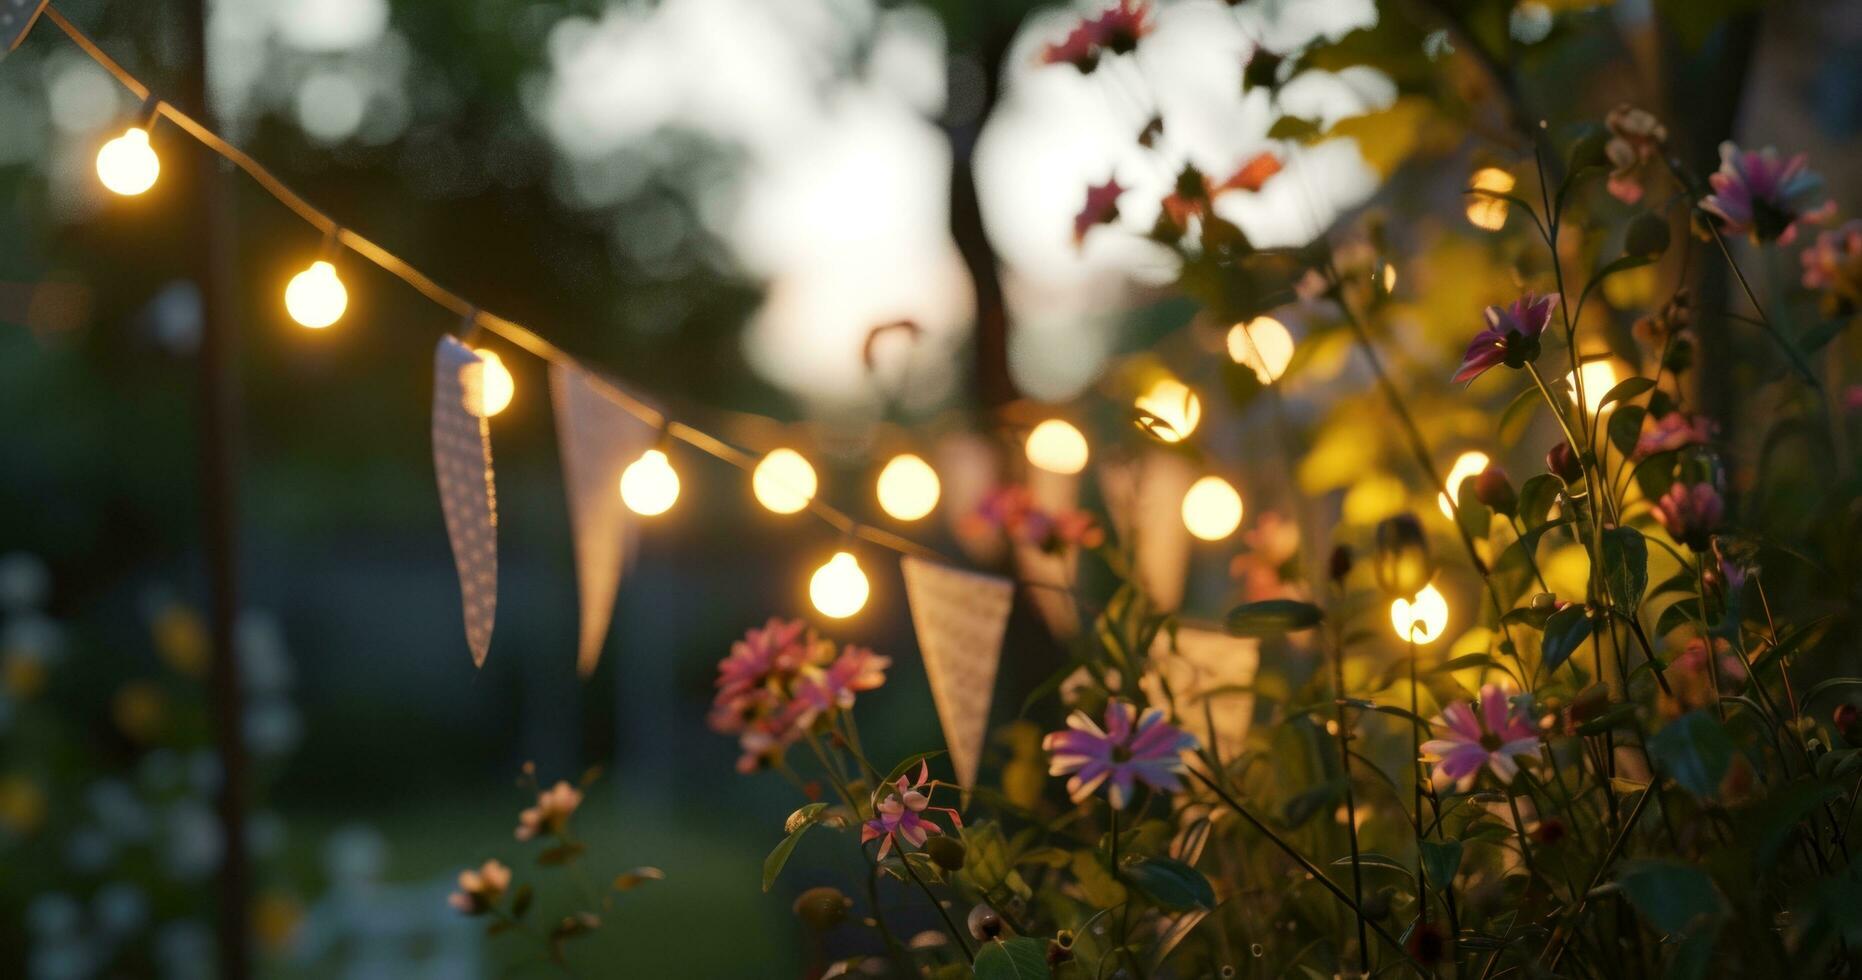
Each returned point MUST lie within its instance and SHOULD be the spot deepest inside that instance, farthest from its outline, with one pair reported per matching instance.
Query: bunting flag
(1209, 674)
(16, 18)
(1145, 502)
(597, 441)
(462, 459)
(959, 617)
(1052, 574)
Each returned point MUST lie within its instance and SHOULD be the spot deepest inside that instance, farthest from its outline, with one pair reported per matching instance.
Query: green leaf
(1678, 614)
(1462, 662)
(1518, 415)
(1626, 390)
(1273, 617)
(908, 764)
(1473, 516)
(1695, 750)
(1294, 128)
(627, 881)
(1020, 958)
(1536, 497)
(1647, 235)
(1625, 567)
(1626, 429)
(1564, 632)
(1440, 861)
(1171, 884)
(798, 824)
(1830, 685)
(1674, 897)
(1372, 859)
(520, 901)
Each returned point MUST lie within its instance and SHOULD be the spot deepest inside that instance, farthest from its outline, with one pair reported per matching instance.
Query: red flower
(1101, 208)
(1253, 174)
(1080, 49)
(1117, 30)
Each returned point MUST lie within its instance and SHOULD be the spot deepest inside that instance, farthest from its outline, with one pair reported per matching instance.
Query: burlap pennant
(1209, 674)
(596, 440)
(468, 497)
(959, 617)
(1145, 502)
(16, 18)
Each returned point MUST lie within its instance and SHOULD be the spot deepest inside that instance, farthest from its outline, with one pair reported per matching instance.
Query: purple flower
(1757, 194)
(1511, 337)
(1692, 513)
(1121, 754)
(899, 813)
(1492, 739)
(1676, 430)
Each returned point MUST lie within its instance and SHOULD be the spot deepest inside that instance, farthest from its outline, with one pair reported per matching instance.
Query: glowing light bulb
(1390, 278)
(1486, 212)
(1263, 344)
(1058, 447)
(316, 297)
(488, 385)
(1175, 405)
(1467, 466)
(1211, 509)
(839, 588)
(908, 487)
(128, 165)
(1599, 378)
(783, 481)
(1422, 618)
(649, 485)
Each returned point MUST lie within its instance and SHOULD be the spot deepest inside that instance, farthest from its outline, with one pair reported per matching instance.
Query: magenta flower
(778, 680)
(1120, 755)
(1757, 194)
(899, 813)
(1119, 28)
(777, 646)
(1511, 337)
(1676, 430)
(856, 669)
(1080, 49)
(1101, 208)
(1833, 264)
(1492, 739)
(1691, 512)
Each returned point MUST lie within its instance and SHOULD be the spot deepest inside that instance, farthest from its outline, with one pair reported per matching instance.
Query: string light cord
(472, 315)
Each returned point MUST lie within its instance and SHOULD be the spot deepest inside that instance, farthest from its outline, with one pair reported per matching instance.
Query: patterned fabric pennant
(1145, 502)
(597, 440)
(16, 18)
(468, 498)
(1208, 673)
(959, 617)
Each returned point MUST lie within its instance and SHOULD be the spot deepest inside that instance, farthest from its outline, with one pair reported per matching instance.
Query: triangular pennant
(462, 460)
(1145, 502)
(1209, 676)
(959, 617)
(1050, 574)
(596, 440)
(16, 18)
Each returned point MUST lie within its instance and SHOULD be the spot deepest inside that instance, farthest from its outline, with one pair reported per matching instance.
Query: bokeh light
(1173, 404)
(1484, 211)
(316, 297)
(1599, 378)
(649, 485)
(128, 165)
(1212, 509)
(1263, 344)
(908, 487)
(839, 588)
(1467, 466)
(1057, 447)
(1422, 618)
(488, 385)
(783, 481)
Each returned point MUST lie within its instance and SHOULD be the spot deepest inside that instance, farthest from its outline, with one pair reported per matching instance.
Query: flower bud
(1564, 463)
(1551, 830)
(1491, 488)
(1402, 564)
(985, 924)
(946, 850)
(1340, 564)
(1060, 948)
(1845, 718)
(1647, 235)
(822, 908)
(1427, 944)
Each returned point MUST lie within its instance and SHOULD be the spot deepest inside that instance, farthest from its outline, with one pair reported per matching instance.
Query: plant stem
(1351, 804)
(942, 912)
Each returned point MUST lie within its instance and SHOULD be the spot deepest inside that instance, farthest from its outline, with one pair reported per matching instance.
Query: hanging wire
(471, 314)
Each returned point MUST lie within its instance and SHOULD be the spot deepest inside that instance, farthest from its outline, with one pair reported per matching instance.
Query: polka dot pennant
(468, 498)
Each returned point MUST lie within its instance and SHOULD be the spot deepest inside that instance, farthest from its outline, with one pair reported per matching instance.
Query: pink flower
(551, 814)
(778, 680)
(1012, 511)
(1101, 208)
(777, 646)
(1692, 513)
(1080, 49)
(899, 813)
(1120, 755)
(480, 890)
(856, 669)
(1511, 337)
(1492, 739)
(1757, 194)
(1833, 264)
(1673, 431)
(1690, 680)
(1117, 30)
(1636, 137)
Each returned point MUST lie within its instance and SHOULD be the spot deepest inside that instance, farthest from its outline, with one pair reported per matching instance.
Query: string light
(316, 297)
(1263, 344)
(128, 165)
(1485, 211)
(839, 588)
(783, 481)
(1211, 509)
(1175, 405)
(1599, 378)
(908, 487)
(1390, 278)
(1467, 466)
(649, 485)
(1056, 446)
(1422, 618)
(488, 385)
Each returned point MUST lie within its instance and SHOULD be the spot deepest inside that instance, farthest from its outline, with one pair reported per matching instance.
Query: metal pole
(219, 410)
